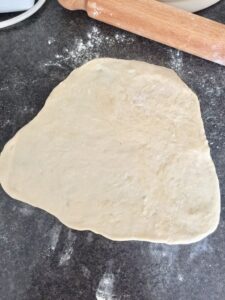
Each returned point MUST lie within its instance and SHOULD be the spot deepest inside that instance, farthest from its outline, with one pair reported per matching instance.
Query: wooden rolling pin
(159, 22)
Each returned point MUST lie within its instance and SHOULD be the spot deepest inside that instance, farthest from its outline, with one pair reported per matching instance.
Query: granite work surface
(41, 259)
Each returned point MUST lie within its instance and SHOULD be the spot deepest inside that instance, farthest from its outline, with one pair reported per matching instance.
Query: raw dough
(119, 148)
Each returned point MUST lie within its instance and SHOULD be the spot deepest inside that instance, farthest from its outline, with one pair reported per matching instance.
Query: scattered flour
(86, 272)
(164, 254)
(90, 237)
(81, 50)
(176, 60)
(51, 40)
(200, 248)
(68, 249)
(122, 37)
(165, 260)
(66, 256)
(6, 123)
(210, 86)
(4, 88)
(4, 238)
(26, 210)
(105, 287)
(180, 277)
(54, 236)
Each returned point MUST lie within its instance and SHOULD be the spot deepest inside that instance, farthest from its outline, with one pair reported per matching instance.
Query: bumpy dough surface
(119, 148)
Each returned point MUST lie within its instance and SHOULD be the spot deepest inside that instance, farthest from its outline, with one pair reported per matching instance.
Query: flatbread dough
(119, 148)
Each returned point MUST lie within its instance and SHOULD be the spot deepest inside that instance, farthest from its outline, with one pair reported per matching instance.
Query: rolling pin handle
(161, 23)
(74, 4)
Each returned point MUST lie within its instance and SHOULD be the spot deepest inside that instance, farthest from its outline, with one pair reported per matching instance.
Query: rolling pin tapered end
(74, 4)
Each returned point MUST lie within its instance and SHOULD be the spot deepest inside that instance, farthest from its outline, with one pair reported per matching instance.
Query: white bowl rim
(191, 5)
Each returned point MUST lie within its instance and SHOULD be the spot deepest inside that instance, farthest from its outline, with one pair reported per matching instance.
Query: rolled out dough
(119, 148)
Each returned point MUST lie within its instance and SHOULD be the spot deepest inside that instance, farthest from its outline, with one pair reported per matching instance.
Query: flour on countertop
(82, 50)
(68, 248)
(54, 236)
(26, 210)
(6, 123)
(86, 272)
(105, 287)
(51, 40)
(176, 60)
(4, 88)
(180, 277)
(164, 254)
(210, 86)
(166, 260)
(66, 256)
(200, 248)
(90, 237)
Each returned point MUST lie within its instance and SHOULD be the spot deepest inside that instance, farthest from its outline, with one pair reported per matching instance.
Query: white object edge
(22, 16)
(191, 5)
(7, 6)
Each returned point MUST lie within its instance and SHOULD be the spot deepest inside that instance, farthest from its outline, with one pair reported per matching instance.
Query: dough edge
(11, 143)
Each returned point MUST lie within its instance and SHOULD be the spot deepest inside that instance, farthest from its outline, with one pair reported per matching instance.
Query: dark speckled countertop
(40, 259)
